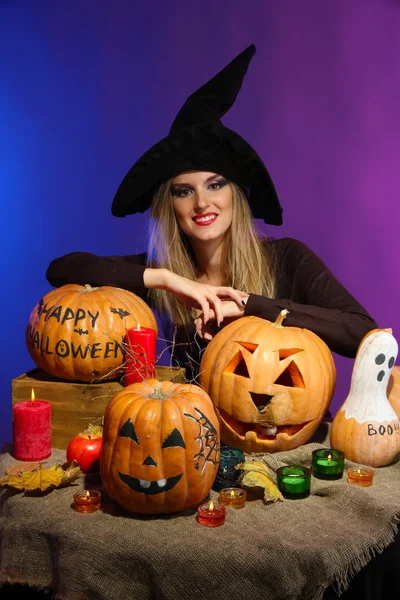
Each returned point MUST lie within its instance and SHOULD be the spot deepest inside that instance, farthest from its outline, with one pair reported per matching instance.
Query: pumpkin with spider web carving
(271, 385)
(160, 450)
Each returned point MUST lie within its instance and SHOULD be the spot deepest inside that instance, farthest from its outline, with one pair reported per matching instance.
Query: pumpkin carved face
(270, 385)
(160, 449)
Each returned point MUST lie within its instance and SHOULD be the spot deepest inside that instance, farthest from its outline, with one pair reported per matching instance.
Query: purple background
(87, 87)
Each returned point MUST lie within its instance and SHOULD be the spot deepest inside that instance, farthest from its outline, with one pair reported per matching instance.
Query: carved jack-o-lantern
(160, 450)
(270, 385)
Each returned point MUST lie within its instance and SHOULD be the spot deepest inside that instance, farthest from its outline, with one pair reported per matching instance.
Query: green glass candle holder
(294, 482)
(327, 463)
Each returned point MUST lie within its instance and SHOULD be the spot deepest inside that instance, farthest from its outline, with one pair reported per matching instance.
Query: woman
(206, 264)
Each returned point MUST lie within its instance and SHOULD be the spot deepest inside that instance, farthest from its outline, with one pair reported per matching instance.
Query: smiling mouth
(205, 219)
(150, 488)
(252, 431)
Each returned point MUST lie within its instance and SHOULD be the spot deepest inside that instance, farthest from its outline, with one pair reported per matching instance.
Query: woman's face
(202, 204)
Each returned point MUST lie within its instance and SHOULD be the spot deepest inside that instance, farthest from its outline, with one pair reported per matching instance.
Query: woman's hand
(208, 298)
(230, 310)
(203, 296)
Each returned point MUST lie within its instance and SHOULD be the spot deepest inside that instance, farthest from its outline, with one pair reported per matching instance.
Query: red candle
(140, 354)
(211, 514)
(32, 429)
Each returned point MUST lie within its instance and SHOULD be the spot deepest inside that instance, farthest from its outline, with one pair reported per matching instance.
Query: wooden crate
(75, 405)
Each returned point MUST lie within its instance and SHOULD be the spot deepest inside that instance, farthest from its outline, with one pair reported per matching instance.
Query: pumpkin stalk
(281, 317)
(158, 394)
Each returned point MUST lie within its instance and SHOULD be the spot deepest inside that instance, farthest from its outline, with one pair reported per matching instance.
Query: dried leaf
(255, 465)
(257, 474)
(21, 467)
(95, 430)
(71, 473)
(40, 478)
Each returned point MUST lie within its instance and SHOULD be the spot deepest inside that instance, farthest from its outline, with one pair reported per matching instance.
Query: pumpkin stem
(281, 317)
(158, 394)
(89, 288)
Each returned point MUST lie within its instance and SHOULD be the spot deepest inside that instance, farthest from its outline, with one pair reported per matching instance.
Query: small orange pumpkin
(271, 385)
(366, 427)
(160, 450)
(76, 332)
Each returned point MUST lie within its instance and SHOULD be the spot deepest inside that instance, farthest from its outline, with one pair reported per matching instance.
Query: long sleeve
(82, 267)
(315, 299)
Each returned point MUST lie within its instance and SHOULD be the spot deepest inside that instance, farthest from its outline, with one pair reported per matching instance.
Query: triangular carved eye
(285, 352)
(291, 377)
(128, 431)
(249, 346)
(237, 365)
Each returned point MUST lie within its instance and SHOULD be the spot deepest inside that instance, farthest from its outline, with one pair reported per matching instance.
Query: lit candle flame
(358, 471)
(329, 456)
(232, 493)
(32, 395)
(87, 494)
(211, 505)
(138, 327)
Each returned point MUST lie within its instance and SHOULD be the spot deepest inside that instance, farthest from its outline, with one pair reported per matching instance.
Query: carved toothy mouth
(150, 488)
(257, 431)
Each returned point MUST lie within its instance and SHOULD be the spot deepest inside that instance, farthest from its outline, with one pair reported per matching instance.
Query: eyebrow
(190, 184)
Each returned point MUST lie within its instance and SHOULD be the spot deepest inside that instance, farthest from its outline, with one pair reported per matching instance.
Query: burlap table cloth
(286, 550)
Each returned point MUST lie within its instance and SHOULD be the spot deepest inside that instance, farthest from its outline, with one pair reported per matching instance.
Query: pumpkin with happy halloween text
(76, 332)
(270, 384)
(366, 427)
(160, 450)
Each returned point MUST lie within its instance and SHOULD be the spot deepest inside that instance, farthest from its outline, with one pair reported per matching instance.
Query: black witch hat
(199, 141)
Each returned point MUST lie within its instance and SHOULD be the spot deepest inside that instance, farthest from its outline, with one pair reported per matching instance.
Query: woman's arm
(82, 267)
(316, 300)
(131, 273)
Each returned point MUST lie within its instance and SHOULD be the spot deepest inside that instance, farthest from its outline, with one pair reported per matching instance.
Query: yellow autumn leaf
(257, 474)
(40, 478)
(255, 465)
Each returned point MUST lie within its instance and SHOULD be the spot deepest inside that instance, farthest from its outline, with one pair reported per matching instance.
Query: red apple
(85, 449)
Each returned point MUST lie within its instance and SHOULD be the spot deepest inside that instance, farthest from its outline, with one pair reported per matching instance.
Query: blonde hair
(246, 264)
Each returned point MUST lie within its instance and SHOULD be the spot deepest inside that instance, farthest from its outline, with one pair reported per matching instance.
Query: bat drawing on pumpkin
(120, 311)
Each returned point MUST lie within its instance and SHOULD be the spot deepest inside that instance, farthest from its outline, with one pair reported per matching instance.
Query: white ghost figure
(366, 427)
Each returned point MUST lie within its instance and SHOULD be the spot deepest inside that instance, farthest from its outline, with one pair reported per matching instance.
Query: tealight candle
(234, 497)
(211, 514)
(362, 476)
(227, 474)
(140, 354)
(294, 482)
(327, 463)
(32, 429)
(87, 501)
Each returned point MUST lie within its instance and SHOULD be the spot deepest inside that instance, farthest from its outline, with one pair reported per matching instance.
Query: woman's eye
(181, 192)
(216, 185)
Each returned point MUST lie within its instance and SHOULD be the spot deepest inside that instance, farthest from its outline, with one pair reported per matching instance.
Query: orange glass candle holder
(362, 476)
(87, 501)
(234, 497)
(211, 514)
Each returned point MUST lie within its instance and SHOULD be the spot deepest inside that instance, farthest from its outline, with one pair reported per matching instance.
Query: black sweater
(316, 300)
